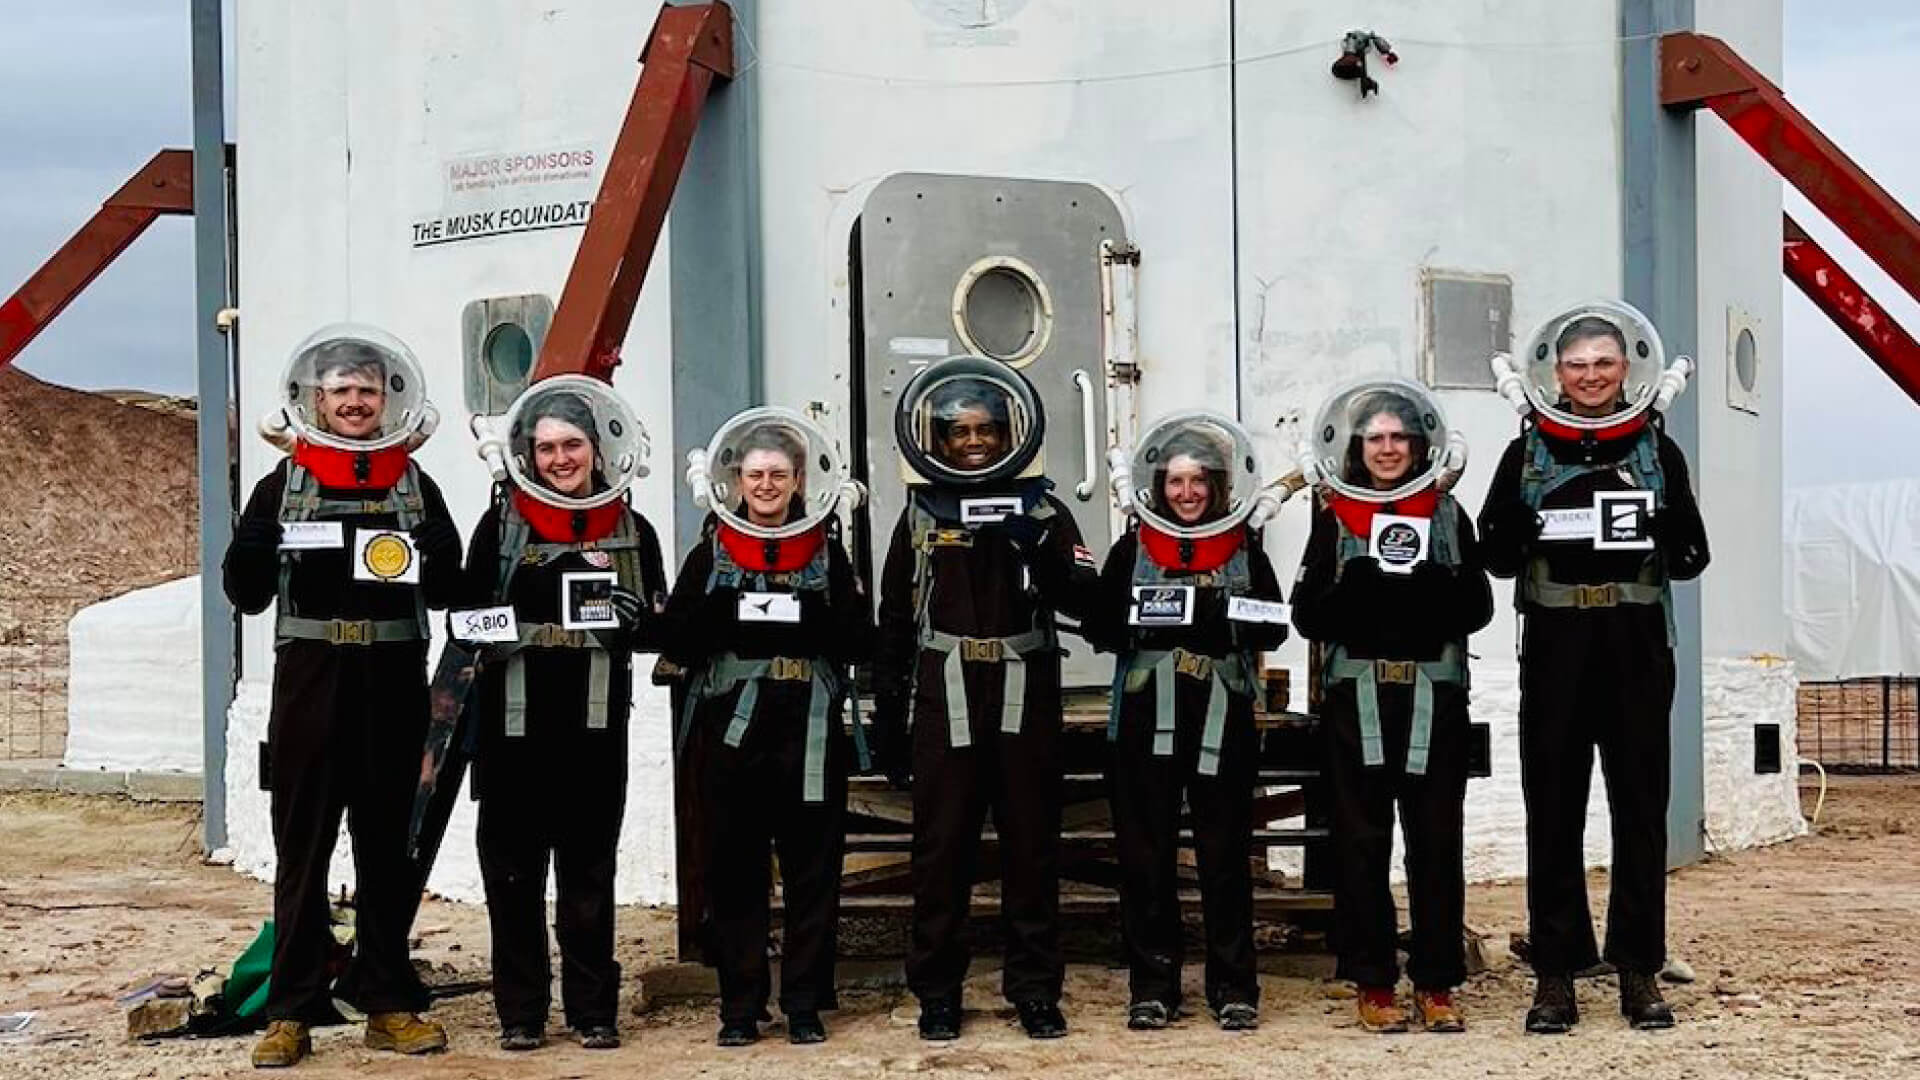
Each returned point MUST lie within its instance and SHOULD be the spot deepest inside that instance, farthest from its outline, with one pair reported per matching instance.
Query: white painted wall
(348, 114)
(1127, 94)
(1738, 473)
(133, 681)
(1493, 147)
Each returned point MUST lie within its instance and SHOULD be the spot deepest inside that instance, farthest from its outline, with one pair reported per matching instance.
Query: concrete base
(47, 774)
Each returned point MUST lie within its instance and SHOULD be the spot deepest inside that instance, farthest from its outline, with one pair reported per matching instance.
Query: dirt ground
(1807, 955)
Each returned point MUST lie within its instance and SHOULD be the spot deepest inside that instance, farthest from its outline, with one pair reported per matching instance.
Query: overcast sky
(94, 87)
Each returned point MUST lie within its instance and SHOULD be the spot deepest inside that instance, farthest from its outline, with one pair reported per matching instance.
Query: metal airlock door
(1006, 268)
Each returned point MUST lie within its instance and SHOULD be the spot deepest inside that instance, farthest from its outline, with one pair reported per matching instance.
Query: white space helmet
(1381, 438)
(1610, 351)
(1193, 474)
(555, 416)
(352, 387)
(770, 450)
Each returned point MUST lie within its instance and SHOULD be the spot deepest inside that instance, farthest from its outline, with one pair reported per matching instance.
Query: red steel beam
(1834, 292)
(688, 48)
(1697, 70)
(163, 186)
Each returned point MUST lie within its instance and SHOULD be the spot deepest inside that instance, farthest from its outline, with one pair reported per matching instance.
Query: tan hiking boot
(404, 1033)
(1436, 1012)
(1380, 1013)
(284, 1044)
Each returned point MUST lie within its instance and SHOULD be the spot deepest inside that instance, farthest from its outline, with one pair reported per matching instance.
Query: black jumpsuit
(1385, 616)
(1598, 677)
(554, 794)
(1147, 793)
(980, 591)
(346, 732)
(751, 796)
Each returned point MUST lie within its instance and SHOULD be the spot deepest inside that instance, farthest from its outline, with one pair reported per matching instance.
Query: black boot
(1554, 1010)
(738, 1033)
(804, 1028)
(1641, 1003)
(1041, 1019)
(939, 1020)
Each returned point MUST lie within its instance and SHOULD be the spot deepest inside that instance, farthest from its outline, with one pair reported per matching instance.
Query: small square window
(500, 339)
(1467, 318)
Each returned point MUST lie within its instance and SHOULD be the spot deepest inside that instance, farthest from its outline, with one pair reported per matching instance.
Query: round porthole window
(1001, 309)
(509, 353)
(1744, 360)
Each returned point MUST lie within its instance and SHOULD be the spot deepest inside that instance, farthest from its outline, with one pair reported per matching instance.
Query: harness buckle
(550, 636)
(1403, 672)
(789, 669)
(349, 631)
(1192, 664)
(1596, 596)
(983, 650)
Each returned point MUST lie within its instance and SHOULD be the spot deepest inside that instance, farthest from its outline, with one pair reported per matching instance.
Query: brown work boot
(1380, 1013)
(405, 1033)
(284, 1044)
(1436, 1012)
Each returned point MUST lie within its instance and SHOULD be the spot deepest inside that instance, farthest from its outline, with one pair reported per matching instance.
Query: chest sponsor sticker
(1399, 543)
(384, 555)
(492, 625)
(1621, 519)
(988, 509)
(1576, 523)
(765, 607)
(1247, 609)
(1083, 557)
(586, 600)
(599, 560)
(1162, 605)
(312, 536)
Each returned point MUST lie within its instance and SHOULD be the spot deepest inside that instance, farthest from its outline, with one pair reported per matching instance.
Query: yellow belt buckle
(350, 632)
(1193, 664)
(1394, 671)
(788, 669)
(1596, 596)
(988, 651)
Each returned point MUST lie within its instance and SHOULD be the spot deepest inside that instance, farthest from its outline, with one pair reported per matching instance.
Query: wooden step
(1266, 900)
(877, 842)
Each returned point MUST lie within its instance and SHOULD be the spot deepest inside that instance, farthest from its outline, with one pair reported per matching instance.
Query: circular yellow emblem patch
(387, 556)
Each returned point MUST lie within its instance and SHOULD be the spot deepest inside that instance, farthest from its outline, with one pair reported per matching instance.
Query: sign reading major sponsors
(500, 194)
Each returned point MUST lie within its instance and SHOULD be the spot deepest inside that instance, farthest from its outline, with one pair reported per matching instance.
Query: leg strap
(516, 712)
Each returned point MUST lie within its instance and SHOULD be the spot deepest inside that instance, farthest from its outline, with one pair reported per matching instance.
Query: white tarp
(1853, 579)
(133, 681)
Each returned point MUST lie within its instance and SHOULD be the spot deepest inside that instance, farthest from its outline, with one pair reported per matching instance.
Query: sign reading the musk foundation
(499, 194)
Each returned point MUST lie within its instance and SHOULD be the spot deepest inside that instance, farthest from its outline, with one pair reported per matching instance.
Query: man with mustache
(353, 542)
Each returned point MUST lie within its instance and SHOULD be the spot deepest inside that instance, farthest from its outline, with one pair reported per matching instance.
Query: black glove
(1432, 579)
(1514, 523)
(1024, 531)
(437, 540)
(628, 608)
(254, 535)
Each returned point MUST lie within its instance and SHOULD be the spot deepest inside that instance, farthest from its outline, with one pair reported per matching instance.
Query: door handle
(1090, 454)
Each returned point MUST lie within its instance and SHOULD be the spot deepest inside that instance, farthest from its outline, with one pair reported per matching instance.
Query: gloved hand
(1024, 531)
(255, 535)
(1431, 584)
(628, 608)
(437, 540)
(1513, 523)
